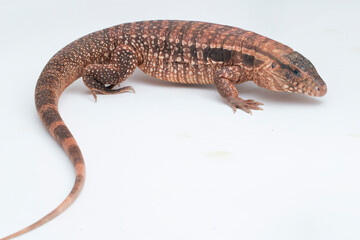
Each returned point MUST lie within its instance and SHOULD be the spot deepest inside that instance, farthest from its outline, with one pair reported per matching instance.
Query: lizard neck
(245, 56)
(267, 53)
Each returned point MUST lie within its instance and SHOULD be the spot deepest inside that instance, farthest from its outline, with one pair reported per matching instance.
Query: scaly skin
(175, 51)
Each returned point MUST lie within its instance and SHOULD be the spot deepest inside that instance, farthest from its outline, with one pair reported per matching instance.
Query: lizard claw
(94, 94)
(107, 91)
(245, 105)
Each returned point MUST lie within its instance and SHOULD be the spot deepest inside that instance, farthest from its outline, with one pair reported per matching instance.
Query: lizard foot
(245, 105)
(110, 90)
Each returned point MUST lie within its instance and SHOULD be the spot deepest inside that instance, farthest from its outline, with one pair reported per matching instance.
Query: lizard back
(182, 51)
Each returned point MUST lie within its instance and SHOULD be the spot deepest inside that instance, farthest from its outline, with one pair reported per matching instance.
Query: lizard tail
(47, 93)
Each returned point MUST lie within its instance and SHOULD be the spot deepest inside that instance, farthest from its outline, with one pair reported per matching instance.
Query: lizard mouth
(314, 89)
(307, 87)
(320, 91)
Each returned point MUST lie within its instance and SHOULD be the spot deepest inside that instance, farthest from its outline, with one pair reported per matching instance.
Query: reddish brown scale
(175, 51)
(171, 46)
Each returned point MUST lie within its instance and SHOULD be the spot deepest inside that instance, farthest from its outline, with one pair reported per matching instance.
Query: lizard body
(176, 51)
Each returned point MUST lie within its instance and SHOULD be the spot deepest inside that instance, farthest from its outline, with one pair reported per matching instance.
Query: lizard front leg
(224, 81)
(102, 78)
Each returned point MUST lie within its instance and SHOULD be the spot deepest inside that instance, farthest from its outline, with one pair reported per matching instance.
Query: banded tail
(52, 81)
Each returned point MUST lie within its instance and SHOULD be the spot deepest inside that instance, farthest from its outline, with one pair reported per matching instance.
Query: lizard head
(289, 71)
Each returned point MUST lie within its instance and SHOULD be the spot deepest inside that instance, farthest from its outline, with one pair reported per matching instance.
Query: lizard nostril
(317, 88)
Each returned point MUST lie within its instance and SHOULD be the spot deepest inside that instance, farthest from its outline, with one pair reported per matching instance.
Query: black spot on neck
(193, 53)
(248, 60)
(206, 53)
(217, 54)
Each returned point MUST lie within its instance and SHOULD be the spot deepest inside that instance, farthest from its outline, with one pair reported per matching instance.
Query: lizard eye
(273, 65)
(296, 72)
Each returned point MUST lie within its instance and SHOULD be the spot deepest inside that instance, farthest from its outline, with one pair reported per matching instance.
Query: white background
(173, 161)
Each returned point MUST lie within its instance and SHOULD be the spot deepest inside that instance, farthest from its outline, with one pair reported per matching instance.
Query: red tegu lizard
(176, 51)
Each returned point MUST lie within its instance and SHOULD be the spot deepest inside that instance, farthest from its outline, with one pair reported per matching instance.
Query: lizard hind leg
(103, 78)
